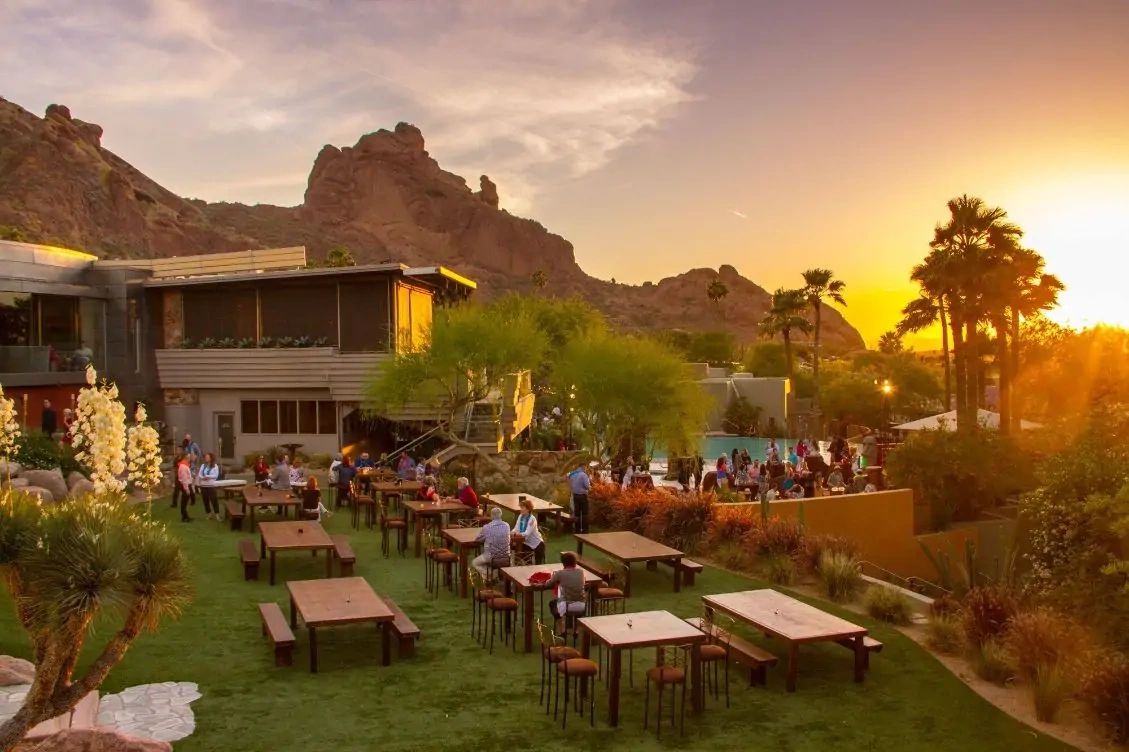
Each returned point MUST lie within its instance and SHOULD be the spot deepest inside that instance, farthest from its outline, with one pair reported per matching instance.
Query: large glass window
(268, 416)
(299, 310)
(413, 317)
(288, 416)
(327, 417)
(58, 322)
(219, 313)
(307, 416)
(15, 318)
(365, 316)
(249, 416)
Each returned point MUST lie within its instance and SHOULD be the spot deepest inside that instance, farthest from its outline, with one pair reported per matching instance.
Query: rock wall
(540, 474)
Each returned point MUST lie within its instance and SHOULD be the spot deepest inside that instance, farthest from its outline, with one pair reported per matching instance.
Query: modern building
(245, 351)
(773, 395)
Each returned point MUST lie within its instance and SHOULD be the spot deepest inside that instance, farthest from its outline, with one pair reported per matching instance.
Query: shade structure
(948, 422)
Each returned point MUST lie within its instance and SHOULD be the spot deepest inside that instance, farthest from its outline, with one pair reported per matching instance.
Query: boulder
(82, 487)
(15, 671)
(92, 740)
(42, 493)
(14, 483)
(9, 468)
(52, 480)
(74, 477)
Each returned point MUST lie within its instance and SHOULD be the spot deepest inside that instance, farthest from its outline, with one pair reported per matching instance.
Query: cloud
(739, 214)
(531, 92)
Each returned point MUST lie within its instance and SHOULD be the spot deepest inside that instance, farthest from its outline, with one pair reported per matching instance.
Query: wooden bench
(600, 570)
(741, 651)
(406, 632)
(688, 569)
(249, 555)
(343, 552)
(276, 628)
(869, 643)
(235, 513)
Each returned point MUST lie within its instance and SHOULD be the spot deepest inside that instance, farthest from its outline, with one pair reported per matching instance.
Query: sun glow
(1081, 226)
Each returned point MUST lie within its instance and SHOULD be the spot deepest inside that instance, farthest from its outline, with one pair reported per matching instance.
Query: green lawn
(453, 695)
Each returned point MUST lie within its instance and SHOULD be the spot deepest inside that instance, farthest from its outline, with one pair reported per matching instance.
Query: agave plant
(245, 343)
(268, 342)
(285, 342)
(321, 342)
(226, 343)
(207, 343)
(303, 342)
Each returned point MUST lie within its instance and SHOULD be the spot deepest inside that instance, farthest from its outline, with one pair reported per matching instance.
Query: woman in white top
(206, 477)
(528, 533)
(628, 475)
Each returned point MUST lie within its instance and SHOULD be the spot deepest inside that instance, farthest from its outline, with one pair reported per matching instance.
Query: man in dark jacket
(50, 422)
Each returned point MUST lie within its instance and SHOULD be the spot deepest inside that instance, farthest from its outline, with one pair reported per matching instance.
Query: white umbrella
(948, 422)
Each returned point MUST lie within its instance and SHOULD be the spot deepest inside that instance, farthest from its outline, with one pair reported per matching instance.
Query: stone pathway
(154, 711)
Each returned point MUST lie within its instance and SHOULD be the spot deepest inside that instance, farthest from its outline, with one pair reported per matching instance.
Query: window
(268, 416)
(249, 416)
(365, 316)
(287, 417)
(413, 317)
(300, 309)
(219, 313)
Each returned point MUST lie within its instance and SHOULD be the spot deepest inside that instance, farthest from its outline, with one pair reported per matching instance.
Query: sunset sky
(656, 136)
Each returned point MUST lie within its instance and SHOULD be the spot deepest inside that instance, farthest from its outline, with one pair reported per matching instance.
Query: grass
(455, 696)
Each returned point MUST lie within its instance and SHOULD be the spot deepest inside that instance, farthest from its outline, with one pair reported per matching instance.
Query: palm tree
(890, 342)
(716, 292)
(820, 285)
(1029, 292)
(922, 313)
(785, 313)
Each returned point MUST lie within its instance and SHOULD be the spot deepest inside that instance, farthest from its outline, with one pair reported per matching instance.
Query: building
(245, 351)
(773, 395)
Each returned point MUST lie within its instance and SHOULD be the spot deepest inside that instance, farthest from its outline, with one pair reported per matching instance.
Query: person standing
(699, 467)
(206, 477)
(50, 420)
(579, 484)
(68, 426)
(280, 475)
(183, 487)
(527, 532)
(869, 450)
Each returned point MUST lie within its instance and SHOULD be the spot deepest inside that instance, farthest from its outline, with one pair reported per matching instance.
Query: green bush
(815, 545)
(945, 635)
(732, 555)
(840, 576)
(887, 604)
(945, 605)
(1106, 691)
(987, 613)
(992, 662)
(319, 460)
(780, 569)
(38, 451)
(1051, 686)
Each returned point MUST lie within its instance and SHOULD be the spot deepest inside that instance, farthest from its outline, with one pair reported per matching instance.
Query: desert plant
(226, 343)
(777, 537)
(630, 508)
(303, 342)
(887, 604)
(1105, 689)
(991, 662)
(207, 343)
(987, 613)
(945, 605)
(1037, 639)
(678, 521)
(601, 497)
(944, 634)
(268, 342)
(840, 575)
(99, 433)
(1050, 686)
(321, 342)
(730, 526)
(780, 569)
(732, 555)
(37, 451)
(245, 343)
(815, 545)
(187, 344)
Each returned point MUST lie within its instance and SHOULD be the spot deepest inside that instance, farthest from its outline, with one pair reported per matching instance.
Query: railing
(914, 584)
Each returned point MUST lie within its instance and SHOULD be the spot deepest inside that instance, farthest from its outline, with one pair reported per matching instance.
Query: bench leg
(688, 577)
(407, 646)
(283, 655)
(346, 569)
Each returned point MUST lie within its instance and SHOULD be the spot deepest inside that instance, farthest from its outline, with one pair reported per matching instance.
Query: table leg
(262, 542)
(615, 661)
(293, 614)
(385, 643)
(328, 563)
(313, 649)
(793, 665)
(678, 575)
(627, 580)
(696, 678)
(508, 591)
(527, 601)
(272, 567)
(579, 546)
(419, 535)
(860, 659)
(462, 572)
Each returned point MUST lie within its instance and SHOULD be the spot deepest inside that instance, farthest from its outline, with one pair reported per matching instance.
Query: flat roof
(225, 277)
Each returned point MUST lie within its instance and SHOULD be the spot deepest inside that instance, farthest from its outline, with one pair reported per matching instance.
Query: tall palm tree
(922, 313)
(785, 313)
(1032, 291)
(716, 292)
(820, 285)
(890, 342)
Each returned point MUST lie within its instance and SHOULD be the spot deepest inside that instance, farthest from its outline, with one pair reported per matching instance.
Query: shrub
(679, 522)
(320, 460)
(730, 525)
(776, 537)
(887, 604)
(840, 575)
(1040, 639)
(1050, 687)
(732, 556)
(780, 569)
(601, 497)
(815, 545)
(944, 634)
(630, 507)
(1106, 690)
(946, 606)
(38, 451)
(991, 662)
(987, 612)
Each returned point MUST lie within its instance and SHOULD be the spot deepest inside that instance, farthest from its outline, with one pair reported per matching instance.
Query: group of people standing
(196, 471)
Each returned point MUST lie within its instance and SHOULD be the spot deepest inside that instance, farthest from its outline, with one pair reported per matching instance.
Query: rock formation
(384, 198)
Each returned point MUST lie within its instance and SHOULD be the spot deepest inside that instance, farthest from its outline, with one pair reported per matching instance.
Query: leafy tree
(8, 232)
(540, 279)
(784, 315)
(767, 359)
(821, 285)
(627, 387)
(1066, 374)
(716, 292)
(852, 394)
(471, 351)
(742, 417)
(717, 348)
(339, 256)
(890, 343)
(560, 320)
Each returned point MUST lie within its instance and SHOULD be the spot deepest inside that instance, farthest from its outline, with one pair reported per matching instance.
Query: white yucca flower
(100, 435)
(143, 453)
(9, 428)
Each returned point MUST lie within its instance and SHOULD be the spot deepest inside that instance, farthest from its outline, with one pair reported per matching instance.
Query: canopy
(948, 422)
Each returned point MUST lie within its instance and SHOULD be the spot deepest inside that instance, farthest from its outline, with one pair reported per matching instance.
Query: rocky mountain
(384, 198)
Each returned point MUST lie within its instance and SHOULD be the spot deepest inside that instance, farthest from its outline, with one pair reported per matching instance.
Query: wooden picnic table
(263, 498)
(630, 547)
(302, 535)
(463, 540)
(517, 578)
(644, 629)
(509, 502)
(329, 603)
(422, 510)
(794, 622)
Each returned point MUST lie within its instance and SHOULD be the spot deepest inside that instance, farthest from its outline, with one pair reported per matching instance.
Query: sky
(656, 135)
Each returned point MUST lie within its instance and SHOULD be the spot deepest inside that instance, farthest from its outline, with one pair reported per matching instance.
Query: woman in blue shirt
(206, 476)
(527, 533)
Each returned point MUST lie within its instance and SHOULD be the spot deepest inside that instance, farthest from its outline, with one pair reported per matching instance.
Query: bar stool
(480, 597)
(392, 523)
(670, 675)
(437, 564)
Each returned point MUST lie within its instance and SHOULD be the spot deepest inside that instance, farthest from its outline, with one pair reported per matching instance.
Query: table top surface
(408, 486)
(342, 600)
(303, 534)
(270, 497)
(783, 615)
(519, 576)
(430, 507)
(226, 483)
(627, 546)
(642, 629)
(509, 501)
(463, 536)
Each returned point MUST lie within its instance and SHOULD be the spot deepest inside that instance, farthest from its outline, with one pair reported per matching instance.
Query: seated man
(365, 460)
(568, 585)
(280, 475)
(495, 536)
(835, 479)
(406, 467)
(465, 494)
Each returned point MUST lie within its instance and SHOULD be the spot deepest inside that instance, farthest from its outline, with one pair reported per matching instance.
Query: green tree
(742, 417)
(717, 348)
(766, 359)
(471, 351)
(8, 232)
(890, 343)
(784, 315)
(716, 292)
(561, 320)
(627, 387)
(69, 566)
(920, 314)
(339, 256)
(852, 388)
(540, 280)
(821, 285)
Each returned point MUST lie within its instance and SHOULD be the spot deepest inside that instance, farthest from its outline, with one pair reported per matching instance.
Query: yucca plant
(887, 604)
(66, 563)
(944, 634)
(840, 575)
(1051, 686)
